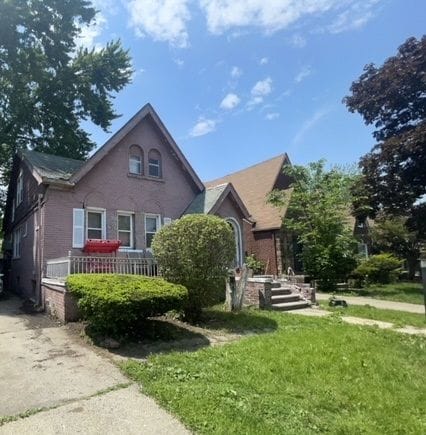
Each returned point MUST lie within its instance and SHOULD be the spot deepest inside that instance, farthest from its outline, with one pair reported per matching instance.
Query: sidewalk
(53, 383)
(378, 303)
(318, 312)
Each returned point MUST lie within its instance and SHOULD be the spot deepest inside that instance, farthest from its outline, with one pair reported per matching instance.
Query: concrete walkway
(317, 312)
(64, 386)
(378, 303)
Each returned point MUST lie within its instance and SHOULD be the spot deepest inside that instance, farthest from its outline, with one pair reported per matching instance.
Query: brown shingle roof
(253, 184)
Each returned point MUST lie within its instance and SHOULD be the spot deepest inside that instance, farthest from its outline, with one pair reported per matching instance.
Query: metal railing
(60, 268)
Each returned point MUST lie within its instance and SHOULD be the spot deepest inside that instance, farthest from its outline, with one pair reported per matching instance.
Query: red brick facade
(59, 303)
(266, 246)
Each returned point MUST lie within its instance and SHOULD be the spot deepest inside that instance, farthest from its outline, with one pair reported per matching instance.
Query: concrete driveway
(63, 386)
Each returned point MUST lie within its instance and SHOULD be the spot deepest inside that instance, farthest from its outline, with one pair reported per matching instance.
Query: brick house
(263, 234)
(138, 181)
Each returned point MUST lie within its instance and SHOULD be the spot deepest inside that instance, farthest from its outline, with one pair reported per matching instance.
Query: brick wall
(264, 245)
(258, 293)
(59, 302)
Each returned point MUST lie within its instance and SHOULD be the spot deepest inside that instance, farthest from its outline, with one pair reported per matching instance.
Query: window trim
(158, 165)
(16, 254)
(158, 218)
(132, 229)
(103, 221)
(20, 188)
(137, 153)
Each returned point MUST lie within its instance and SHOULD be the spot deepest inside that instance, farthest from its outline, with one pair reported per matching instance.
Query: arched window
(239, 258)
(135, 160)
(154, 164)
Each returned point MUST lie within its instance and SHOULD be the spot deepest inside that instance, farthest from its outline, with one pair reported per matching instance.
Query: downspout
(275, 252)
(39, 262)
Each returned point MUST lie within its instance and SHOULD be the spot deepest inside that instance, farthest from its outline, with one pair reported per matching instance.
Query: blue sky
(237, 81)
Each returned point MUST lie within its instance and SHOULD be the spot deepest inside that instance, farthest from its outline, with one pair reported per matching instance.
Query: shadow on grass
(240, 322)
(158, 335)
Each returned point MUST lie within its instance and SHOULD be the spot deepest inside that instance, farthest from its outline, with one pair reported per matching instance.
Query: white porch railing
(60, 268)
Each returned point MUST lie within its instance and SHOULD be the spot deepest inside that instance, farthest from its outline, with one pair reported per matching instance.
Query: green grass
(310, 375)
(399, 318)
(398, 292)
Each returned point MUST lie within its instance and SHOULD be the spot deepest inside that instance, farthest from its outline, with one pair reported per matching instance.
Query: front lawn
(399, 318)
(307, 375)
(398, 292)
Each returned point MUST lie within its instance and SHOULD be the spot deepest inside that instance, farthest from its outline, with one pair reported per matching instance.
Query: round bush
(381, 269)
(116, 304)
(196, 251)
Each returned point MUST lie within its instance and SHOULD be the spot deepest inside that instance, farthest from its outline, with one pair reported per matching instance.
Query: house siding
(109, 186)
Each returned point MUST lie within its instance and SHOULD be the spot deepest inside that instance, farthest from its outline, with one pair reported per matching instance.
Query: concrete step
(287, 306)
(275, 284)
(281, 291)
(292, 297)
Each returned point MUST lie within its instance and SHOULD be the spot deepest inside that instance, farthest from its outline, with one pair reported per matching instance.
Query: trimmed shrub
(381, 269)
(117, 304)
(257, 266)
(196, 251)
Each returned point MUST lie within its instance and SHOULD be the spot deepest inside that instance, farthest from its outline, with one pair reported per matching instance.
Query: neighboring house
(136, 182)
(264, 236)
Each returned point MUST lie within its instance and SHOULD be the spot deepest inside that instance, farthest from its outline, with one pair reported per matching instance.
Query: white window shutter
(167, 221)
(78, 227)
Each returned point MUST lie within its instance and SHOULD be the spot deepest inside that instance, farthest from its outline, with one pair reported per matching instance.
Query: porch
(128, 263)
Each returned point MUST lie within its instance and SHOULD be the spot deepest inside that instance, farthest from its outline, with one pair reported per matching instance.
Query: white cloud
(298, 41)
(268, 15)
(262, 87)
(272, 116)
(263, 61)
(179, 62)
(260, 90)
(202, 127)
(353, 18)
(230, 102)
(310, 123)
(89, 33)
(273, 15)
(236, 72)
(163, 20)
(306, 71)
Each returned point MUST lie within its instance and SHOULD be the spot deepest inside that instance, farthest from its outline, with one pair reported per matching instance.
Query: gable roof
(146, 111)
(209, 201)
(253, 184)
(49, 166)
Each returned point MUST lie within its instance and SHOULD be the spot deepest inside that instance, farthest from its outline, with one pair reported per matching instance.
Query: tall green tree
(392, 97)
(391, 234)
(318, 207)
(48, 85)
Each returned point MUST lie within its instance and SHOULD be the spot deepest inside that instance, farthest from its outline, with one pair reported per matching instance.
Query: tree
(47, 84)
(196, 251)
(390, 234)
(319, 204)
(393, 98)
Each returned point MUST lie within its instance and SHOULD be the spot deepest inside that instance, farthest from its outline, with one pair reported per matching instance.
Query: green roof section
(51, 166)
(206, 200)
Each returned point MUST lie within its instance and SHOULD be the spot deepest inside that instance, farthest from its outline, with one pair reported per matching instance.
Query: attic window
(135, 160)
(154, 164)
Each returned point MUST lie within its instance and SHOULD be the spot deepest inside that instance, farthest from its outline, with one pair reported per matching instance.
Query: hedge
(117, 304)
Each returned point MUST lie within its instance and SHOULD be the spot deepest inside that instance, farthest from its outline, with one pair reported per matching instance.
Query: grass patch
(310, 375)
(398, 292)
(399, 318)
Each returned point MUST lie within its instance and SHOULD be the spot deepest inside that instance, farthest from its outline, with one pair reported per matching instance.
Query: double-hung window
(95, 227)
(135, 160)
(20, 188)
(152, 225)
(17, 236)
(154, 164)
(125, 229)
